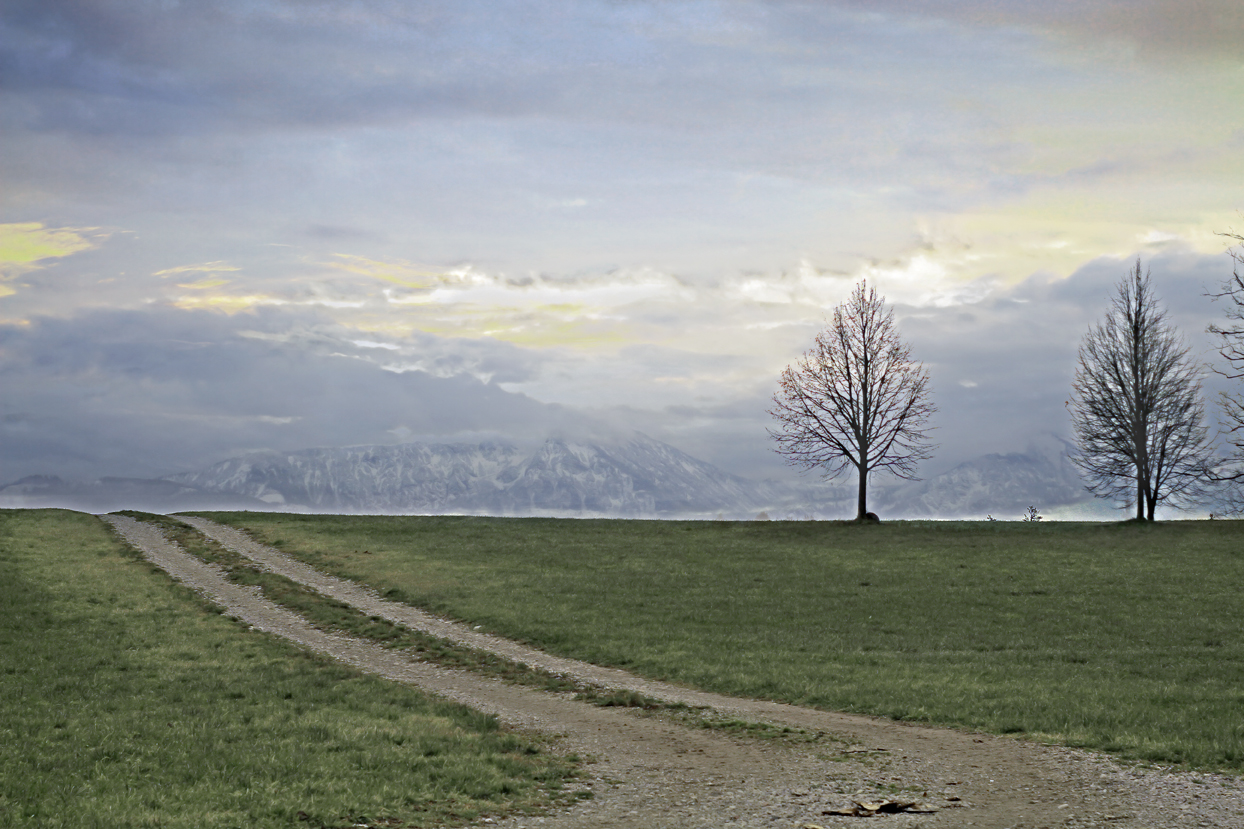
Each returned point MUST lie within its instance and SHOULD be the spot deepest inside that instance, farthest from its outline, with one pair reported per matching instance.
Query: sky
(232, 226)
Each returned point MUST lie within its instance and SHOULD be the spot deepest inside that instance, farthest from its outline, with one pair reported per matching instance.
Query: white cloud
(1158, 237)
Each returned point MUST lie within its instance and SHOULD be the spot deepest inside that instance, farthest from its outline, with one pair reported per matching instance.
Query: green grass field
(125, 700)
(1123, 638)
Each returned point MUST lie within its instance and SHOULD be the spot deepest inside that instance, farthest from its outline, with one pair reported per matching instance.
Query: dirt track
(653, 773)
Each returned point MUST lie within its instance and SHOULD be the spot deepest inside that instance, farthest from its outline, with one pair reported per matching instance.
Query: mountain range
(633, 477)
(1001, 485)
(637, 476)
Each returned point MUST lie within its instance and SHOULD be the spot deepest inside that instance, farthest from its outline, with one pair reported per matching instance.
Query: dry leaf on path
(863, 808)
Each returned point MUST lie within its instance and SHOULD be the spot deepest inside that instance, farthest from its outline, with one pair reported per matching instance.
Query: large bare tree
(855, 399)
(1231, 347)
(1136, 407)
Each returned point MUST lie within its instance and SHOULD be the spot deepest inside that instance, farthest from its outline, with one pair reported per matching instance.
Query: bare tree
(1231, 347)
(855, 399)
(1137, 409)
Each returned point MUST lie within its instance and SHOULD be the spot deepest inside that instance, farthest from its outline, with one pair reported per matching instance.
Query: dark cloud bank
(148, 393)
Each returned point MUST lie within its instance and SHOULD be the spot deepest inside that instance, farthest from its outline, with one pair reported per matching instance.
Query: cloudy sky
(228, 226)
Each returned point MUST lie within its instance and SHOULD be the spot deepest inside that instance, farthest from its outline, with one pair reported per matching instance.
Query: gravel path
(651, 773)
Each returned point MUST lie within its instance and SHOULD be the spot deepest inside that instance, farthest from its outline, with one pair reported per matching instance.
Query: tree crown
(856, 399)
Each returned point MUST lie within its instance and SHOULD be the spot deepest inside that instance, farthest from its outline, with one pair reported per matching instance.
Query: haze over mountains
(638, 476)
(999, 484)
(632, 477)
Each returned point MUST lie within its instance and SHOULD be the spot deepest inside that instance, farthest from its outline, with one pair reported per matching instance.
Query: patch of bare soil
(651, 772)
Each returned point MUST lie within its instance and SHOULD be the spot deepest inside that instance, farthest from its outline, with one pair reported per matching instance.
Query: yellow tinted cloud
(406, 274)
(23, 245)
(26, 242)
(461, 302)
(225, 303)
(543, 326)
(1058, 231)
(206, 267)
(202, 284)
(548, 333)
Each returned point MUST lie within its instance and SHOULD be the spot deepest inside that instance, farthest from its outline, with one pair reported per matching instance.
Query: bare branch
(855, 399)
(1137, 409)
(1231, 347)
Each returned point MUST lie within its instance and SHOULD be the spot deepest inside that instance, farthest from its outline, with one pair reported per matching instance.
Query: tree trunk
(863, 497)
(1140, 495)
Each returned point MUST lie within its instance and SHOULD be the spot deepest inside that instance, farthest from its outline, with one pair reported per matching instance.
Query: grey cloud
(698, 136)
(485, 359)
(1214, 27)
(135, 67)
(1002, 369)
(1181, 279)
(731, 435)
(662, 361)
(153, 392)
(1156, 27)
(338, 232)
(295, 62)
(218, 62)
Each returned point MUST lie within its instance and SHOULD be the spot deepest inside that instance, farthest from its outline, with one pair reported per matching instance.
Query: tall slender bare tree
(1136, 407)
(1231, 347)
(855, 399)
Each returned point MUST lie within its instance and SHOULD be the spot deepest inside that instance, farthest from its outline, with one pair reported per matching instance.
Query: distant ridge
(1003, 485)
(638, 476)
(634, 477)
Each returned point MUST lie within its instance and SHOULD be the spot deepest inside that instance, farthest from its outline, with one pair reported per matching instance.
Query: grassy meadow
(126, 700)
(1119, 637)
